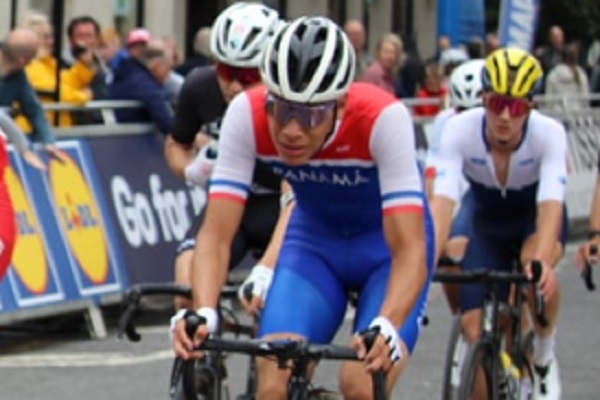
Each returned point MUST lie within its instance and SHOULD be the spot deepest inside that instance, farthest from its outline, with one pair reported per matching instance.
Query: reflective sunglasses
(307, 115)
(516, 107)
(245, 76)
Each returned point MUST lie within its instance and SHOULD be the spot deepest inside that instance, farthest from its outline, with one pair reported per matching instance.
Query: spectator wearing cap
(142, 79)
(135, 44)
(42, 71)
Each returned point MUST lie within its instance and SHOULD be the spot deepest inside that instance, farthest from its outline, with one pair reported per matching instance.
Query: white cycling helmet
(240, 33)
(309, 60)
(466, 85)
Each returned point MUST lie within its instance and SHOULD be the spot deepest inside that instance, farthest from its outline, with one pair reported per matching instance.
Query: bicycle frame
(491, 329)
(126, 327)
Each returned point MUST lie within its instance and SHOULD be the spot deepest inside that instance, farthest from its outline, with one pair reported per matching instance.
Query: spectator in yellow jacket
(41, 72)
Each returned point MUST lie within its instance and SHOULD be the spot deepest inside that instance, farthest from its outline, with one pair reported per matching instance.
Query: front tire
(479, 360)
(453, 363)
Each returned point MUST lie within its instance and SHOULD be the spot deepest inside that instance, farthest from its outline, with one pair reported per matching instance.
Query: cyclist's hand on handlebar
(189, 329)
(547, 282)
(253, 291)
(585, 254)
(385, 350)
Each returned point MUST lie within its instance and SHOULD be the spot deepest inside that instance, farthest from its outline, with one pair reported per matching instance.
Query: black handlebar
(489, 276)
(287, 349)
(586, 274)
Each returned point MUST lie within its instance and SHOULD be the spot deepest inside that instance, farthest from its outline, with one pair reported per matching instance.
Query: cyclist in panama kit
(360, 222)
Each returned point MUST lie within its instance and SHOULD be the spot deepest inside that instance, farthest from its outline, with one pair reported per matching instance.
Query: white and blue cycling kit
(498, 218)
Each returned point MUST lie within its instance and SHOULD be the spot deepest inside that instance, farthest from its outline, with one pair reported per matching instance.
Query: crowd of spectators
(100, 64)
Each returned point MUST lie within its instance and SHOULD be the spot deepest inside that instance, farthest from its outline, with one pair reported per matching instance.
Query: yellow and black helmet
(512, 72)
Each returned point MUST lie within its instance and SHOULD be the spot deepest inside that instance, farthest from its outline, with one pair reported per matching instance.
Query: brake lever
(540, 312)
(379, 377)
(586, 274)
(126, 324)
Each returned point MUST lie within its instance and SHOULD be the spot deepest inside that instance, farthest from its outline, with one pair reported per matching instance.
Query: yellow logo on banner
(79, 218)
(29, 258)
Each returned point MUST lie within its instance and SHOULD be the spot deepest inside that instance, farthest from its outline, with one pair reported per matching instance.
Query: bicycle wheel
(454, 360)
(197, 380)
(479, 360)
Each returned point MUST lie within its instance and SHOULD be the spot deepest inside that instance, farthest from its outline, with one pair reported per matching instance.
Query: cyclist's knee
(272, 380)
(456, 247)
(470, 323)
(355, 383)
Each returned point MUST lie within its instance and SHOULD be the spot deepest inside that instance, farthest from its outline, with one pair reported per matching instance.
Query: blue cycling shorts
(495, 242)
(316, 270)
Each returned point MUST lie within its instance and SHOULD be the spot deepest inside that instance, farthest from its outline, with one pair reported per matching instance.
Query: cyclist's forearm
(178, 156)
(441, 213)
(407, 277)
(269, 258)
(549, 220)
(406, 239)
(595, 212)
(209, 271)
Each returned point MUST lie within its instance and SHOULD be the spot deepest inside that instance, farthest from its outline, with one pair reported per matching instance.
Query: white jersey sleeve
(392, 146)
(232, 176)
(449, 162)
(553, 163)
(433, 145)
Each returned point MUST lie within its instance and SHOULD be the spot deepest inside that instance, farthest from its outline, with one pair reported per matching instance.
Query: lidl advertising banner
(152, 209)
(107, 214)
(73, 189)
(66, 247)
(518, 22)
(33, 277)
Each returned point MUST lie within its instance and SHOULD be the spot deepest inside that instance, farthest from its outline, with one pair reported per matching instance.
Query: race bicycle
(501, 354)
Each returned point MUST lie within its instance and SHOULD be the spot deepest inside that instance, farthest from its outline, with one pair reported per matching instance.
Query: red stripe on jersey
(403, 210)
(430, 172)
(8, 227)
(226, 196)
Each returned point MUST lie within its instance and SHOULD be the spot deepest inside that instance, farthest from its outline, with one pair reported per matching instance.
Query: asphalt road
(57, 360)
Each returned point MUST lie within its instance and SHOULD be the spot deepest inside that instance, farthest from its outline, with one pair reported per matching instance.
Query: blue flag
(518, 21)
(461, 20)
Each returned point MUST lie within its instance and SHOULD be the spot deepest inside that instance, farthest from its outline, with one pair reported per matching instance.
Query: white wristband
(211, 317)
(260, 277)
(390, 333)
